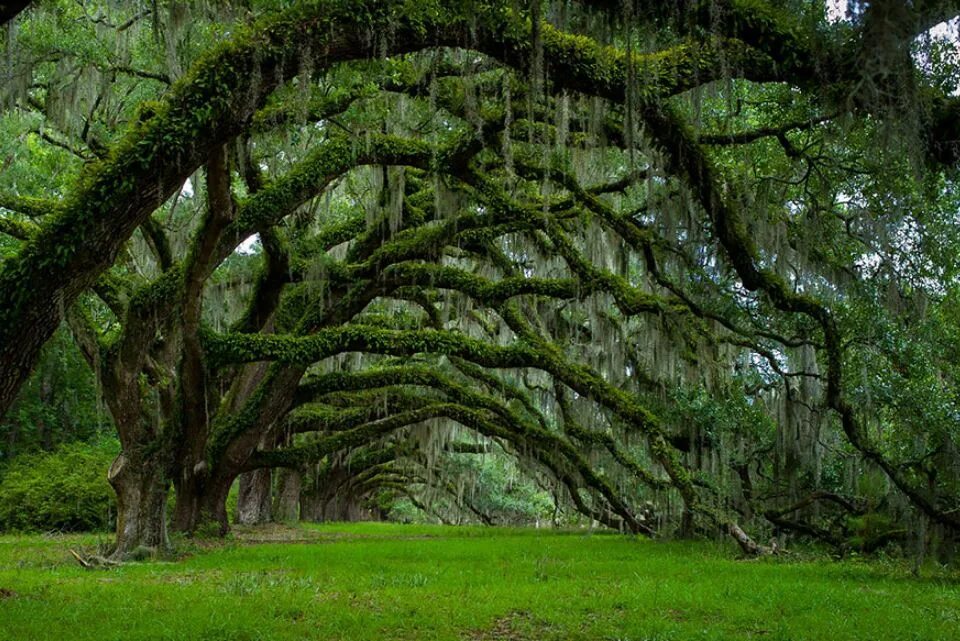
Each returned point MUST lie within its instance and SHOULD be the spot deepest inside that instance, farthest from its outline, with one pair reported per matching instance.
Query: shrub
(65, 490)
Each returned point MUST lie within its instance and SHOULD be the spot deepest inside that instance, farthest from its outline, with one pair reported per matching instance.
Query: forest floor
(381, 581)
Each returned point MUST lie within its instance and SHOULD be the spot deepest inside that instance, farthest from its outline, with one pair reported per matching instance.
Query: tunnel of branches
(690, 266)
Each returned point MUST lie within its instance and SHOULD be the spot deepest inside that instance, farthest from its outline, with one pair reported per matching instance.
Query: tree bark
(288, 495)
(311, 506)
(141, 505)
(747, 545)
(326, 504)
(253, 504)
(201, 500)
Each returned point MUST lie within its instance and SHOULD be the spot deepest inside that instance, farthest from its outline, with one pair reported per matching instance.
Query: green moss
(163, 292)
(484, 291)
(584, 65)
(21, 230)
(28, 205)
(348, 438)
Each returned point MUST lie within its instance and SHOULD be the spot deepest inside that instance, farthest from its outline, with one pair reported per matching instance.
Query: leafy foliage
(688, 267)
(64, 490)
(58, 404)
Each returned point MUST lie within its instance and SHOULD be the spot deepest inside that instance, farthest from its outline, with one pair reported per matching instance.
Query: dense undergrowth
(63, 490)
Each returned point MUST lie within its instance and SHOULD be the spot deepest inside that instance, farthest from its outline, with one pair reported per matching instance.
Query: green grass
(377, 581)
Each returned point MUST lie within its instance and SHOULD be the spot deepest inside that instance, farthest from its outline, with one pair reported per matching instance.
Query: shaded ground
(377, 581)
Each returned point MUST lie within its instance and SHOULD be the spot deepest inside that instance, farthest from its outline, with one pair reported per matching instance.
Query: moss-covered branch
(244, 348)
(211, 104)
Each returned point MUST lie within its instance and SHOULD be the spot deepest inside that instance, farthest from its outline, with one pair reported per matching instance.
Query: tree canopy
(692, 265)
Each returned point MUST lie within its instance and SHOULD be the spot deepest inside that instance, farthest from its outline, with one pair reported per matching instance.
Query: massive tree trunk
(140, 473)
(288, 495)
(141, 489)
(202, 500)
(311, 506)
(346, 508)
(254, 501)
(324, 505)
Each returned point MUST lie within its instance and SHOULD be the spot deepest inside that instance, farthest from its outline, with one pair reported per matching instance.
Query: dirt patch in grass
(273, 533)
(518, 625)
(284, 533)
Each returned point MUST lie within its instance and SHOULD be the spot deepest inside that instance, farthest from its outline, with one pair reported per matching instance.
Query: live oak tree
(699, 256)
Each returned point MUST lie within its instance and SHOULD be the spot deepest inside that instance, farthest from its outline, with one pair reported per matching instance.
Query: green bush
(65, 490)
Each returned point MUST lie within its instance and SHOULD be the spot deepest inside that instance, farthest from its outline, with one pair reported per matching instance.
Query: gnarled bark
(141, 504)
(202, 499)
(286, 505)
(254, 500)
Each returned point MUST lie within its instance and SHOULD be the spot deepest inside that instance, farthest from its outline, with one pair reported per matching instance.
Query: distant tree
(58, 404)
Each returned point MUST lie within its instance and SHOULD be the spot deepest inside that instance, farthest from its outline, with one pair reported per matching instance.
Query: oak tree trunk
(201, 501)
(253, 503)
(141, 489)
(288, 495)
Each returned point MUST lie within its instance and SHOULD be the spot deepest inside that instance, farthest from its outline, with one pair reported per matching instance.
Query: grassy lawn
(378, 581)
